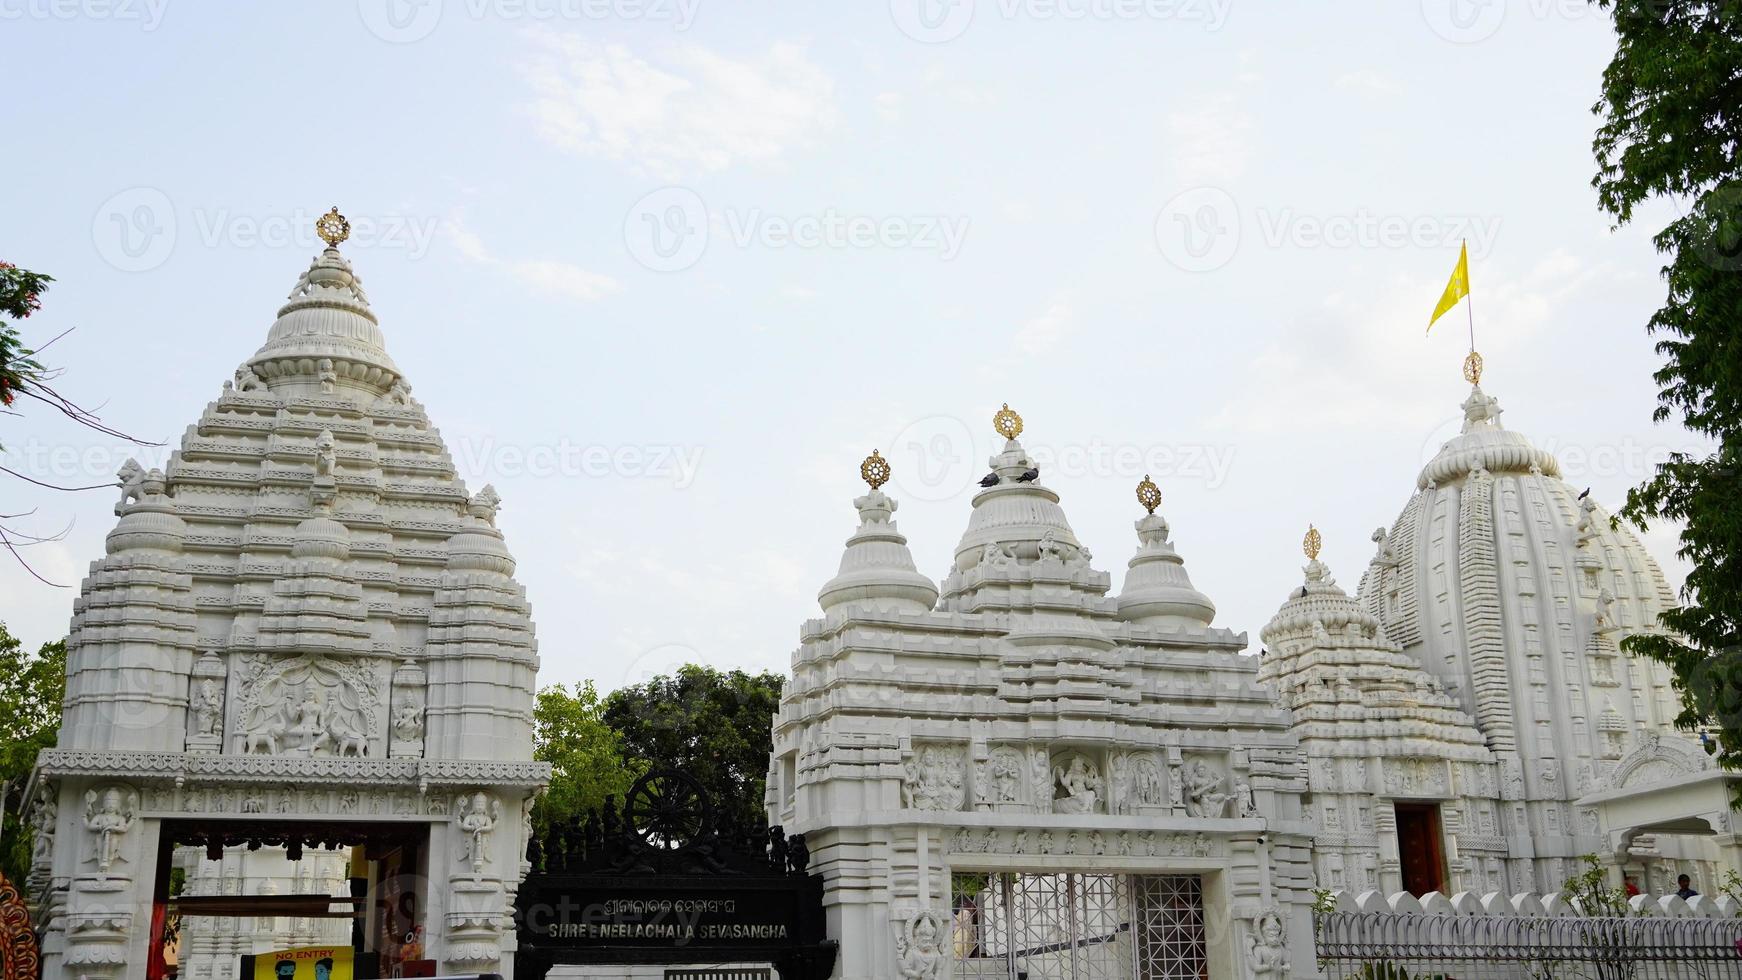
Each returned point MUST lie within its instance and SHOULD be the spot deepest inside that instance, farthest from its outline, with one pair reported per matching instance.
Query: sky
(665, 271)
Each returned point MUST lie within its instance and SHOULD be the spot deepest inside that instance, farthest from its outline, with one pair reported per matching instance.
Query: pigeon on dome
(1013, 512)
(877, 572)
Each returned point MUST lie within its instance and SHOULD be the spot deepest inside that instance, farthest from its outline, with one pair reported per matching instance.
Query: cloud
(547, 275)
(1367, 80)
(887, 106)
(1043, 333)
(1357, 361)
(697, 111)
(1208, 142)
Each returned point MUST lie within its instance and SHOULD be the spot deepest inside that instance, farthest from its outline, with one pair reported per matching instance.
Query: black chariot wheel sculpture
(667, 810)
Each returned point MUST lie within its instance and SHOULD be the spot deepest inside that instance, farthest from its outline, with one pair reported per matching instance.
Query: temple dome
(1157, 591)
(326, 337)
(1485, 444)
(1014, 514)
(479, 546)
(1511, 586)
(877, 570)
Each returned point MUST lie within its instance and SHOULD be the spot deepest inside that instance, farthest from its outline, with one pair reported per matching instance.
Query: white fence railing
(1391, 937)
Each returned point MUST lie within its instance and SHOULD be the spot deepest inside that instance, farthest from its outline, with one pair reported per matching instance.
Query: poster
(304, 963)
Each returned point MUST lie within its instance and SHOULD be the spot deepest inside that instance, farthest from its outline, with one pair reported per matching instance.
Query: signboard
(304, 963)
(603, 913)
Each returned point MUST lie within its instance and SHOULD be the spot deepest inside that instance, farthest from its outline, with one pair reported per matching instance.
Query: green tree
(30, 701)
(714, 725)
(1671, 126)
(586, 756)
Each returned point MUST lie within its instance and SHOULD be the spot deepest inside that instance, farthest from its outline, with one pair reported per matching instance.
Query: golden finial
(333, 227)
(1473, 368)
(1310, 544)
(874, 470)
(1008, 423)
(1148, 494)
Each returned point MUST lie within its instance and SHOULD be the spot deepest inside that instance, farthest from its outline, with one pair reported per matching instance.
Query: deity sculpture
(1266, 948)
(477, 816)
(1120, 801)
(1201, 786)
(1006, 775)
(1050, 549)
(43, 819)
(1082, 785)
(408, 722)
(328, 377)
(934, 780)
(919, 950)
(108, 816)
(208, 708)
(1147, 774)
(1243, 801)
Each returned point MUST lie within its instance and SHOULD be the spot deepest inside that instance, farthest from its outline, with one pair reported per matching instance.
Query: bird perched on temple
(989, 480)
(1587, 493)
(1029, 475)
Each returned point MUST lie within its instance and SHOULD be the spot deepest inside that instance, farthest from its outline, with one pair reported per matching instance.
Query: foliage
(1730, 885)
(713, 724)
(1592, 894)
(20, 292)
(586, 754)
(1324, 903)
(30, 701)
(1670, 127)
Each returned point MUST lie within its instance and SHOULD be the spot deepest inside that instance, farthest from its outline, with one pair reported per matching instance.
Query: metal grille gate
(1021, 926)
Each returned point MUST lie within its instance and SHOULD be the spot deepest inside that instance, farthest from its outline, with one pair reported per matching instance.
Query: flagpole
(1469, 297)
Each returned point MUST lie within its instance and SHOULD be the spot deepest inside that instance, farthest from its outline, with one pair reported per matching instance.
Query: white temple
(304, 675)
(1101, 786)
(305, 632)
(1019, 771)
(1512, 590)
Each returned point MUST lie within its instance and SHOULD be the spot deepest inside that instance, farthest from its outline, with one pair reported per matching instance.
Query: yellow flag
(1456, 289)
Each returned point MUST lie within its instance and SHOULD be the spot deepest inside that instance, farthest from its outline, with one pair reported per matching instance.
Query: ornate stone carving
(1148, 788)
(1203, 785)
(307, 705)
(109, 814)
(398, 394)
(247, 380)
(326, 454)
(932, 779)
(1041, 783)
(1267, 948)
(1119, 798)
(1006, 775)
(1078, 787)
(1244, 804)
(131, 479)
(476, 816)
(44, 817)
(921, 938)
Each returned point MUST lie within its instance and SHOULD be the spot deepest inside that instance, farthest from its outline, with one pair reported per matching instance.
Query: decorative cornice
(280, 769)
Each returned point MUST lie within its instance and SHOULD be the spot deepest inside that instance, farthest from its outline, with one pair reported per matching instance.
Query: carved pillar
(1390, 864)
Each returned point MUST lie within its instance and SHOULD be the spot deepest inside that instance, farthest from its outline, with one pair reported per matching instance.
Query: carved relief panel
(308, 705)
(934, 777)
